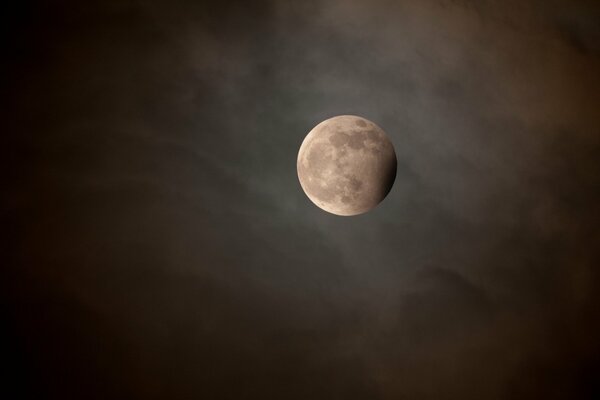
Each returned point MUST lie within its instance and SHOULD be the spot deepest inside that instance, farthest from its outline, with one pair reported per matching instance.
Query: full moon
(346, 165)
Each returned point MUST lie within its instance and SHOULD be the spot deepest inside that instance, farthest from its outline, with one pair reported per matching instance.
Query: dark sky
(158, 244)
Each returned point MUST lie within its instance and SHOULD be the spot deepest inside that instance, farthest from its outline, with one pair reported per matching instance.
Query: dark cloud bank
(158, 244)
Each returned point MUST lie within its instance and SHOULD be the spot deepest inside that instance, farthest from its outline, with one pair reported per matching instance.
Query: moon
(346, 165)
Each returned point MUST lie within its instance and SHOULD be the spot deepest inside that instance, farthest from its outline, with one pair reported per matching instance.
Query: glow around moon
(346, 165)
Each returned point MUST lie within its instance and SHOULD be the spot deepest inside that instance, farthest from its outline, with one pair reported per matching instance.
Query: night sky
(157, 243)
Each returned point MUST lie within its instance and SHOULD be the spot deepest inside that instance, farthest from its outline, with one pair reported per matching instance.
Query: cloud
(160, 244)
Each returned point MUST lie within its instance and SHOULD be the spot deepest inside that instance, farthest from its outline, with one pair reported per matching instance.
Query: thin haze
(159, 245)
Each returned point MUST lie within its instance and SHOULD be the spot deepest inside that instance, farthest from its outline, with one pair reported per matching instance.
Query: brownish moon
(346, 165)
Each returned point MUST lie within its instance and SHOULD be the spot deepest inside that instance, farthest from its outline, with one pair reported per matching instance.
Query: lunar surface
(346, 165)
